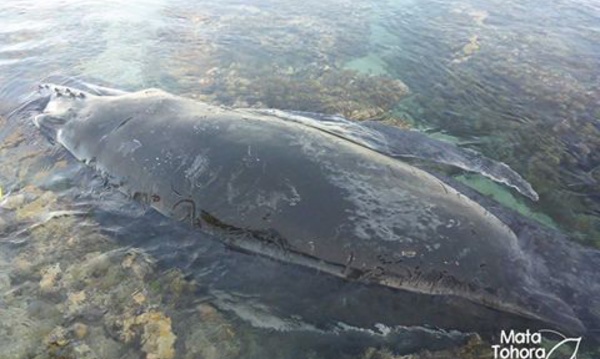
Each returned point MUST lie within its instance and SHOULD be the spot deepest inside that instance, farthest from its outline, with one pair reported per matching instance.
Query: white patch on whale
(127, 148)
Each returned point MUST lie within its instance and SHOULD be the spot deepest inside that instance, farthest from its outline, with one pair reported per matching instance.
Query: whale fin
(399, 143)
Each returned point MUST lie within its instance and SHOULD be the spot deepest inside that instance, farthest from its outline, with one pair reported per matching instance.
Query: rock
(80, 330)
(75, 302)
(473, 46)
(13, 140)
(36, 208)
(21, 264)
(57, 337)
(3, 224)
(138, 262)
(475, 348)
(4, 282)
(103, 346)
(13, 202)
(83, 351)
(211, 337)
(50, 277)
(139, 298)
(158, 339)
(157, 336)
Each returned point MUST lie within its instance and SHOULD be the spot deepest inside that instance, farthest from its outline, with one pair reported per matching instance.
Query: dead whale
(302, 194)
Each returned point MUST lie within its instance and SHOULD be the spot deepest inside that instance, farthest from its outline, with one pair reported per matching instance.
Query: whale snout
(61, 100)
(57, 108)
(61, 91)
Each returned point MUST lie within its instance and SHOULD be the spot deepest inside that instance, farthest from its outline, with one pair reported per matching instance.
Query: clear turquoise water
(516, 80)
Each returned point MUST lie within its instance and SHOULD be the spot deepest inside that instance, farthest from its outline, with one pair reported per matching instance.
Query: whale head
(82, 120)
(62, 104)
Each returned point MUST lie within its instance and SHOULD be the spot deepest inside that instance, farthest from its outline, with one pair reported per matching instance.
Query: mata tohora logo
(528, 345)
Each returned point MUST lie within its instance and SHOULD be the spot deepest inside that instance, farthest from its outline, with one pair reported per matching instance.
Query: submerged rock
(50, 278)
(211, 336)
(346, 92)
(69, 284)
(80, 330)
(57, 338)
(474, 349)
(37, 208)
(285, 59)
(13, 202)
(154, 330)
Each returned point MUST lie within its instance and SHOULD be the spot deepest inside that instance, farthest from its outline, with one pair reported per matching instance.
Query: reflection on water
(87, 273)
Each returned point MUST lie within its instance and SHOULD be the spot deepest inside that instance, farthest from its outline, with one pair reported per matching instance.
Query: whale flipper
(399, 143)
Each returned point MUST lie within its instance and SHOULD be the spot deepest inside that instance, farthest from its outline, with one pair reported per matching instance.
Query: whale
(318, 192)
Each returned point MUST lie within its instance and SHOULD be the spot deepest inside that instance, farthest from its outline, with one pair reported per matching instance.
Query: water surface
(516, 80)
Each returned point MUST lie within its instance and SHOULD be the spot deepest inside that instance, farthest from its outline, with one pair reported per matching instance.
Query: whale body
(300, 194)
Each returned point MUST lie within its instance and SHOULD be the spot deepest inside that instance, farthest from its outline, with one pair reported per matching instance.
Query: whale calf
(274, 185)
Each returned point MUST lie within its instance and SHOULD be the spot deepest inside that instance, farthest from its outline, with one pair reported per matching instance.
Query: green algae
(503, 196)
(370, 64)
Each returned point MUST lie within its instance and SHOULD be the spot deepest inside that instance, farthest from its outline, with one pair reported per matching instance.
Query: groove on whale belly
(271, 244)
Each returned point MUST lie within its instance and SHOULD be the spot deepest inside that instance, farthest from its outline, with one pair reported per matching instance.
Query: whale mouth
(49, 125)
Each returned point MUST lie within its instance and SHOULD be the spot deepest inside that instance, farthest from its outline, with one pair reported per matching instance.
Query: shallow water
(516, 80)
